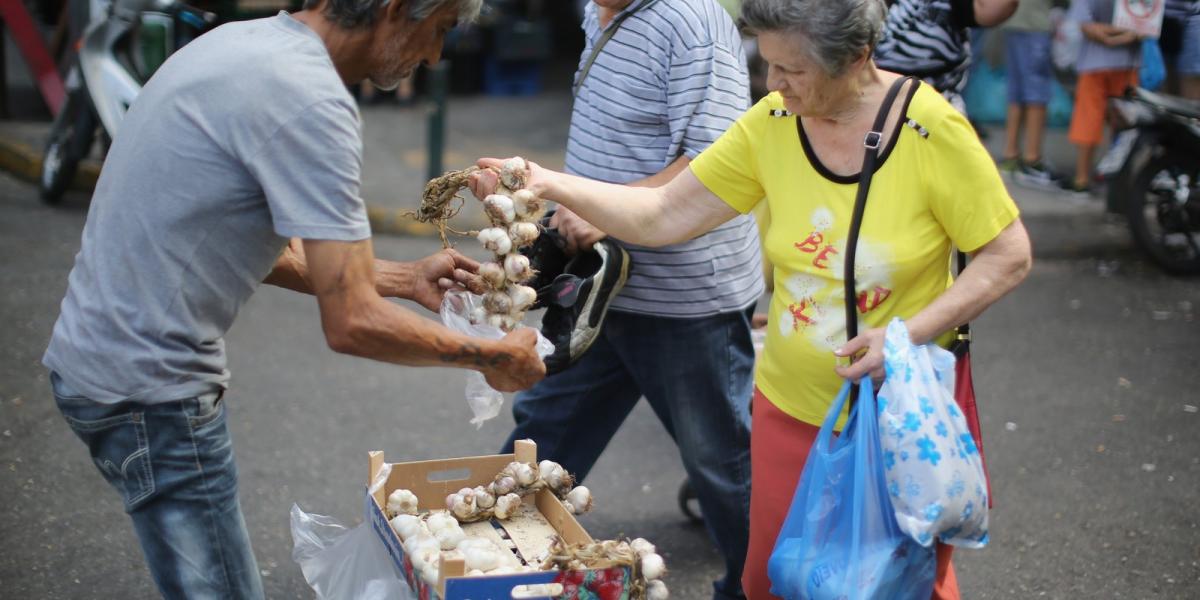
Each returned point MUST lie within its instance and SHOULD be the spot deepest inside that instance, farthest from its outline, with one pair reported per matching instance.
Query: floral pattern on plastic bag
(933, 469)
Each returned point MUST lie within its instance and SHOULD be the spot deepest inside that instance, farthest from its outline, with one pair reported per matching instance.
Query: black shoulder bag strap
(871, 143)
(608, 33)
(962, 340)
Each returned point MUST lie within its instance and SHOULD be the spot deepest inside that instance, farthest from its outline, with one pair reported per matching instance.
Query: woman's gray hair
(836, 32)
(351, 14)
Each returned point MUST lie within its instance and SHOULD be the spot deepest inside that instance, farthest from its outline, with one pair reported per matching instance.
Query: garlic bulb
(523, 473)
(523, 234)
(420, 541)
(407, 526)
(498, 303)
(581, 499)
(484, 559)
(528, 206)
(657, 590)
(500, 209)
(642, 547)
(495, 239)
(425, 559)
(522, 297)
(478, 315)
(506, 506)
(503, 570)
(503, 485)
(474, 573)
(484, 498)
(472, 542)
(439, 520)
(498, 321)
(402, 502)
(555, 476)
(653, 567)
(516, 268)
(493, 274)
(449, 537)
(464, 506)
(514, 172)
(430, 575)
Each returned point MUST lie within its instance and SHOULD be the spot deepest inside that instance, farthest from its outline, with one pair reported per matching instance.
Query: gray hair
(351, 14)
(836, 32)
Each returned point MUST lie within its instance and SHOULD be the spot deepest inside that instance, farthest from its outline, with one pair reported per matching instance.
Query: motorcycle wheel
(1164, 212)
(70, 140)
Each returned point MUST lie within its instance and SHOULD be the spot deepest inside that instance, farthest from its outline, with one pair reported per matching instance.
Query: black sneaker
(548, 259)
(577, 300)
(1038, 175)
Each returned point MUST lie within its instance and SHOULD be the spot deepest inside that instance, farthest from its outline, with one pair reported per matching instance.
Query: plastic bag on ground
(933, 469)
(344, 563)
(840, 539)
(485, 401)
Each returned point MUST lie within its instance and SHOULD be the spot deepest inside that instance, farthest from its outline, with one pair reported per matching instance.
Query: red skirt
(779, 448)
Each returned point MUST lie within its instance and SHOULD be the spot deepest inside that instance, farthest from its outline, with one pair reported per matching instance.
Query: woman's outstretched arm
(675, 212)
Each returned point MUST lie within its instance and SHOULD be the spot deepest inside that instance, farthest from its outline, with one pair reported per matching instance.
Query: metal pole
(439, 76)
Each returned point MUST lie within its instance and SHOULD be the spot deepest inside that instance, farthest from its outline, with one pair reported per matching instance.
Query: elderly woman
(800, 150)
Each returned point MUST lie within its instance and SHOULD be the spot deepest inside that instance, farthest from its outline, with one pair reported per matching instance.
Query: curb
(25, 162)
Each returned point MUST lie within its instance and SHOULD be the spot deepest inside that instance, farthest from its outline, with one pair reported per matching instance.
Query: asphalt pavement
(1087, 378)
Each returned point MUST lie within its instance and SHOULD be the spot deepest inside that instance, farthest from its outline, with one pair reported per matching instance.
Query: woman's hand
(868, 348)
(485, 181)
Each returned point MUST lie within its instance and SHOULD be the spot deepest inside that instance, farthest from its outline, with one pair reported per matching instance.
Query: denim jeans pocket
(204, 410)
(118, 445)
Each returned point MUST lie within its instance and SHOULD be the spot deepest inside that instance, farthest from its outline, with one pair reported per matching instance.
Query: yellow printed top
(935, 188)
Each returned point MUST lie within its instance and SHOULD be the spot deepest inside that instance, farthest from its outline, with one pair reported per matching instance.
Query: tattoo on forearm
(474, 355)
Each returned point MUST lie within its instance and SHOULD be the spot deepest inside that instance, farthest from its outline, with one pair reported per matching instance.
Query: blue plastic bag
(1153, 71)
(840, 539)
(933, 470)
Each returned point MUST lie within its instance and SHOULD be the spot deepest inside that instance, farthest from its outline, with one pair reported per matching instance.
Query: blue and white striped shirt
(670, 81)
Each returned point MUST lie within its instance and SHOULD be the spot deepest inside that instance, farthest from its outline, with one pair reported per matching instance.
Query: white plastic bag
(934, 471)
(1066, 42)
(485, 402)
(344, 564)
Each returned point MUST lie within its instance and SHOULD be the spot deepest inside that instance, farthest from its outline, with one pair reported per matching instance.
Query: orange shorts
(779, 448)
(1092, 91)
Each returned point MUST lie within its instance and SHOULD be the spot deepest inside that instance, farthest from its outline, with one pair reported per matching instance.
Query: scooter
(1153, 169)
(122, 46)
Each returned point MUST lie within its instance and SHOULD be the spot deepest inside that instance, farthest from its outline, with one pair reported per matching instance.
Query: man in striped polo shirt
(670, 79)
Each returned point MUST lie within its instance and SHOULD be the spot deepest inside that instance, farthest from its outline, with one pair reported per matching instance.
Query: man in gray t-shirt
(245, 139)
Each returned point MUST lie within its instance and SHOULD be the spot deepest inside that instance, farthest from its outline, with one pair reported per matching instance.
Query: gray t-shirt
(1094, 56)
(244, 138)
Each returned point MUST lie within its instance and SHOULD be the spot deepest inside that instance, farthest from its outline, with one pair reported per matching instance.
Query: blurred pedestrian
(245, 139)
(670, 79)
(930, 39)
(1180, 44)
(1107, 64)
(1030, 84)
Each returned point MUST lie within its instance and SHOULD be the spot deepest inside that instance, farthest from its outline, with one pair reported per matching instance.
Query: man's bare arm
(358, 321)
(421, 281)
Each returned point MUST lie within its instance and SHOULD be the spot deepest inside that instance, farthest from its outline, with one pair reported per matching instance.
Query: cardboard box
(530, 532)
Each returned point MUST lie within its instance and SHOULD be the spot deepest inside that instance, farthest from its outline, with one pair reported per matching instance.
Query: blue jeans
(172, 464)
(697, 375)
